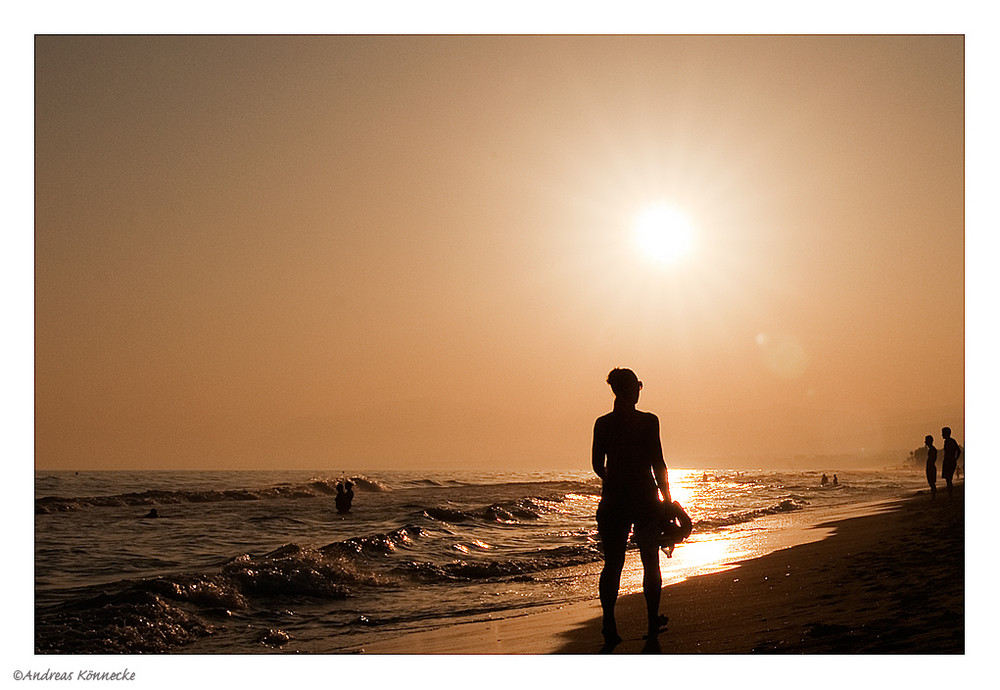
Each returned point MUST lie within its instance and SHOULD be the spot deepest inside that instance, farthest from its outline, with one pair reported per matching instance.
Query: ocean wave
(368, 484)
(507, 512)
(428, 483)
(785, 506)
(129, 622)
(313, 488)
(158, 614)
(522, 567)
(374, 545)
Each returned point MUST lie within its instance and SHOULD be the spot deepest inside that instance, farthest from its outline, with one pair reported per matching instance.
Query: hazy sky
(417, 252)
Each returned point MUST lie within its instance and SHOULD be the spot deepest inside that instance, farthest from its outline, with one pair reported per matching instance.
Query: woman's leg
(652, 583)
(613, 543)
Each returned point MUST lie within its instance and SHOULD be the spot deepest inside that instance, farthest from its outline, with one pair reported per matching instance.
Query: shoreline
(890, 580)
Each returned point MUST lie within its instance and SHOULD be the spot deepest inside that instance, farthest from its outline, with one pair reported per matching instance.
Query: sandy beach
(891, 581)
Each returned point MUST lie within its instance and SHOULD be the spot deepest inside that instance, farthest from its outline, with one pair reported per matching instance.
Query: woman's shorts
(615, 519)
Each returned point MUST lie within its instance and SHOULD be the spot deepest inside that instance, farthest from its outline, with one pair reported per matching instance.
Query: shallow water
(259, 562)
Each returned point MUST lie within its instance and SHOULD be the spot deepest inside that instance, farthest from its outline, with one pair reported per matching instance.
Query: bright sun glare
(663, 234)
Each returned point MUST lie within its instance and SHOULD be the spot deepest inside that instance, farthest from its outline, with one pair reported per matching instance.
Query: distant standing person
(345, 496)
(628, 457)
(931, 466)
(952, 451)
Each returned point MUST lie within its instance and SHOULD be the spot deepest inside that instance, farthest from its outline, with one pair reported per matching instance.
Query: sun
(663, 234)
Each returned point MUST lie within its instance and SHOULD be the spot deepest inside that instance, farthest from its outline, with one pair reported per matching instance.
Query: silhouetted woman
(628, 457)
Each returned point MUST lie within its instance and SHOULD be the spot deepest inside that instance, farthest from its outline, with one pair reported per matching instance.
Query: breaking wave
(786, 506)
(310, 489)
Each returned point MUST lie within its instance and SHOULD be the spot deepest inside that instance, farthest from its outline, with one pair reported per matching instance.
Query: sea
(261, 562)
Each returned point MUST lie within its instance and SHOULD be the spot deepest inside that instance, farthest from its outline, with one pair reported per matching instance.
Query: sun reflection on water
(700, 492)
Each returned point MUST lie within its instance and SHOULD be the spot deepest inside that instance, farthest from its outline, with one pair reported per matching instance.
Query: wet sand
(888, 582)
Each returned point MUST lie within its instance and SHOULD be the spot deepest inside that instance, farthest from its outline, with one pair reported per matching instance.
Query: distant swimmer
(931, 466)
(628, 457)
(152, 514)
(952, 451)
(345, 496)
(835, 480)
(824, 481)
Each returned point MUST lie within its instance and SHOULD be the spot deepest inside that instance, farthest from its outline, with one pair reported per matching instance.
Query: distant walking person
(952, 451)
(628, 457)
(931, 467)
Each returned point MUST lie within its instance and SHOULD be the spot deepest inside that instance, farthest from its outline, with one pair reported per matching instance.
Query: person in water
(931, 466)
(345, 496)
(628, 457)
(952, 451)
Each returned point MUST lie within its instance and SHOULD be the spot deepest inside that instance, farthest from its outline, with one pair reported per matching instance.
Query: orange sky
(414, 252)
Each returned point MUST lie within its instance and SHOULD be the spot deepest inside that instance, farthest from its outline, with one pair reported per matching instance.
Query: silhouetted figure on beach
(931, 466)
(952, 451)
(628, 457)
(345, 496)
